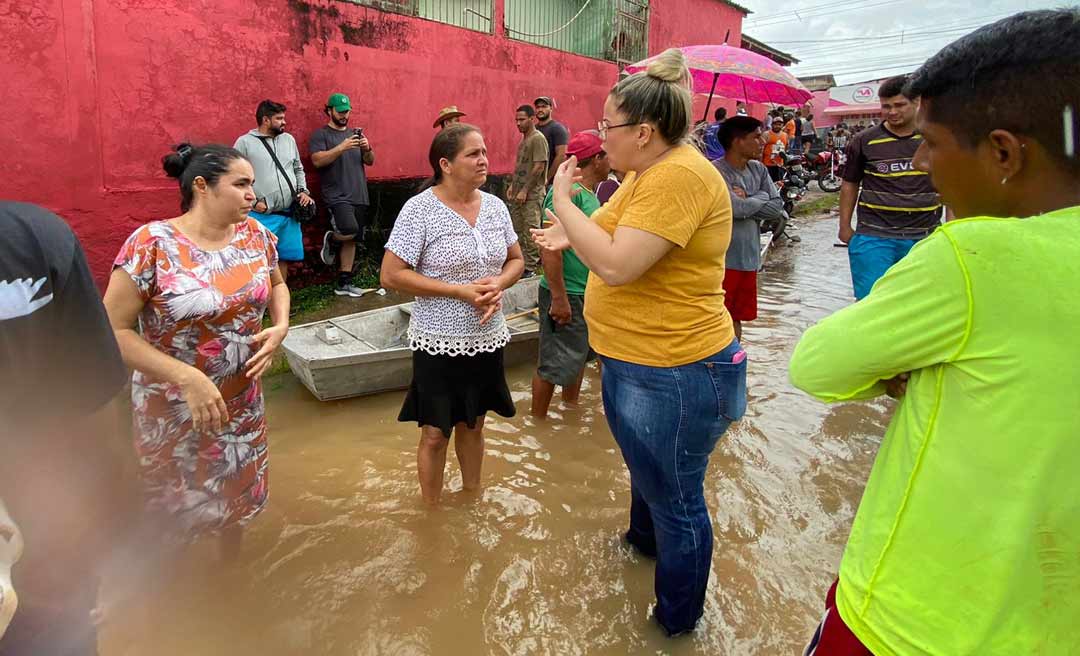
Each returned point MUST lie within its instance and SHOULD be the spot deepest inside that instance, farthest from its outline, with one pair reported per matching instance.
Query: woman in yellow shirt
(674, 376)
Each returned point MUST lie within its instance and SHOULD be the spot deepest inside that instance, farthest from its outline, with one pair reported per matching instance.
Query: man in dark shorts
(564, 336)
(897, 204)
(342, 155)
(754, 198)
(59, 478)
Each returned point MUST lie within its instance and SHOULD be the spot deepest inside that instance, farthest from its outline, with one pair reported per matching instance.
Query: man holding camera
(280, 184)
(341, 156)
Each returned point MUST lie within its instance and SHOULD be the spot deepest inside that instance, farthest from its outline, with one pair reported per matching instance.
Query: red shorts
(833, 637)
(740, 294)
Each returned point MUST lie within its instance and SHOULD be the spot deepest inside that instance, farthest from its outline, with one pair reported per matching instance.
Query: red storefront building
(97, 91)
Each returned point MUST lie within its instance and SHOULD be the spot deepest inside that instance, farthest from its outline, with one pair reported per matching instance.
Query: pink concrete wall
(97, 91)
(818, 104)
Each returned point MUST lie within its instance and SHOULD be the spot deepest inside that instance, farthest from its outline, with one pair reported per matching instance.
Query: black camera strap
(273, 156)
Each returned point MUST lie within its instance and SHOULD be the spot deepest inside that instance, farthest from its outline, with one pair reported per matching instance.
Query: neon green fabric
(967, 539)
(575, 273)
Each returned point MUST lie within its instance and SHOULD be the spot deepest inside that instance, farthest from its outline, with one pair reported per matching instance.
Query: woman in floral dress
(197, 287)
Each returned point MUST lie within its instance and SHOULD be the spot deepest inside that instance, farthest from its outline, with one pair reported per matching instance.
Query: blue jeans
(871, 257)
(667, 422)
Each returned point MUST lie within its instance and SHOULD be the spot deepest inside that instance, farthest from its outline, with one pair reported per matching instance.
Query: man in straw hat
(447, 116)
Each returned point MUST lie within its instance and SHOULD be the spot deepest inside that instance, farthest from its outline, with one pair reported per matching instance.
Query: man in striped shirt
(897, 205)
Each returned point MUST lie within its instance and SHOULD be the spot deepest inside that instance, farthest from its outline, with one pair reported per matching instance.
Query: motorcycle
(794, 182)
(829, 170)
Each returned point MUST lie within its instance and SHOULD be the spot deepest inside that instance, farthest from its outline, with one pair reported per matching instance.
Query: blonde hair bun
(669, 66)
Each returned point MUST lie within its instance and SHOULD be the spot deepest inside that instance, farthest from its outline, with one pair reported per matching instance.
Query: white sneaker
(353, 290)
(326, 253)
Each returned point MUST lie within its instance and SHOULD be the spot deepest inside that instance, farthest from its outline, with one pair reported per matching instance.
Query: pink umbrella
(731, 72)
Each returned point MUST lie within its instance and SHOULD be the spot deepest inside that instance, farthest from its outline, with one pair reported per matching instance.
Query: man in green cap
(341, 156)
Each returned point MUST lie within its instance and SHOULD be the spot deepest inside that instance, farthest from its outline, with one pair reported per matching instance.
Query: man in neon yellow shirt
(967, 539)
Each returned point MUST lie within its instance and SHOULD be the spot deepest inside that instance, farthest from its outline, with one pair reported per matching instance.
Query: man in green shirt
(564, 337)
(967, 538)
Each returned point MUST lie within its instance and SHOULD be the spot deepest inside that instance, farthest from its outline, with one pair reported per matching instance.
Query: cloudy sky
(858, 40)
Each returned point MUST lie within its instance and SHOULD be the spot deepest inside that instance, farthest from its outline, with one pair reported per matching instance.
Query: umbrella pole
(708, 105)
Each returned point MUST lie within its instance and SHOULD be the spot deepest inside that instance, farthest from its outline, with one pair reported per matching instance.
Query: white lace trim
(454, 345)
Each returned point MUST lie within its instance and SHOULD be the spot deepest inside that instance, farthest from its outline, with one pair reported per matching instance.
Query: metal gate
(630, 33)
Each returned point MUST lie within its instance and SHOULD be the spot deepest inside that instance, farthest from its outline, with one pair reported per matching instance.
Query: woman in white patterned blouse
(454, 248)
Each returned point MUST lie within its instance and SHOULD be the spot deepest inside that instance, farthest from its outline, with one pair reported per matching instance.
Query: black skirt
(447, 390)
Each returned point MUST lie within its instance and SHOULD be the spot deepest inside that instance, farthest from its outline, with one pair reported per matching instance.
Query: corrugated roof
(751, 43)
(741, 8)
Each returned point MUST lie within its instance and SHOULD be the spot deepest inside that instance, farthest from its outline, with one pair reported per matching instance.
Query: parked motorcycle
(794, 182)
(829, 170)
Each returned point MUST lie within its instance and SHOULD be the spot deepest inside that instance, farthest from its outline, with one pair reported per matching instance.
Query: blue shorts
(871, 257)
(290, 242)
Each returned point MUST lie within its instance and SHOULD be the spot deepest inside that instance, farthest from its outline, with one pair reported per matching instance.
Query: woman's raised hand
(552, 238)
(565, 177)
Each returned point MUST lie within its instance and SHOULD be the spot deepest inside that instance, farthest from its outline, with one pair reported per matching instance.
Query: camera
(358, 133)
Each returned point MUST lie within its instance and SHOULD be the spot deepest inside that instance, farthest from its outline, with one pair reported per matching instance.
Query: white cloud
(810, 30)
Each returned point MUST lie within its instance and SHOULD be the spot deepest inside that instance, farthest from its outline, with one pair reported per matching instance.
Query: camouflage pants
(525, 216)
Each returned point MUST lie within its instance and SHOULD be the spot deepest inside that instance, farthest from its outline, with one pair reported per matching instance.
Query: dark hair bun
(175, 162)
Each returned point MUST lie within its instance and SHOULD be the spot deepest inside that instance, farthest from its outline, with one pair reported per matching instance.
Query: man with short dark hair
(342, 155)
(273, 197)
(754, 198)
(556, 134)
(526, 191)
(897, 204)
(713, 149)
(564, 336)
(967, 535)
(740, 109)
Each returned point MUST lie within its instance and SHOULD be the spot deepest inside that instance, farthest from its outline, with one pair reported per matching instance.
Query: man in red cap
(564, 337)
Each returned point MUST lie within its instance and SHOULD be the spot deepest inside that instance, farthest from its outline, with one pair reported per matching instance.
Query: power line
(874, 60)
(935, 25)
(832, 51)
(877, 37)
(804, 11)
(859, 7)
(907, 66)
(925, 38)
(972, 23)
(823, 57)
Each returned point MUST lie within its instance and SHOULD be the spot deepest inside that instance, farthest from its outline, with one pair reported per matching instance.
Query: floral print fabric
(202, 308)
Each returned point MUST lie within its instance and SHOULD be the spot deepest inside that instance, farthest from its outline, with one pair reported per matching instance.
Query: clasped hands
(484, 294)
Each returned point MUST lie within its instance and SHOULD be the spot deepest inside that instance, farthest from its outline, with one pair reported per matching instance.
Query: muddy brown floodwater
(345, 561)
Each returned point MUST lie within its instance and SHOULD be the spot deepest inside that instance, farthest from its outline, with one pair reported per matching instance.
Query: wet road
(345, 560)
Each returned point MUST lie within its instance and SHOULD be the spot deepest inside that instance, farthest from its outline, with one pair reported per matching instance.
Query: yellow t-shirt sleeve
(668, 202)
